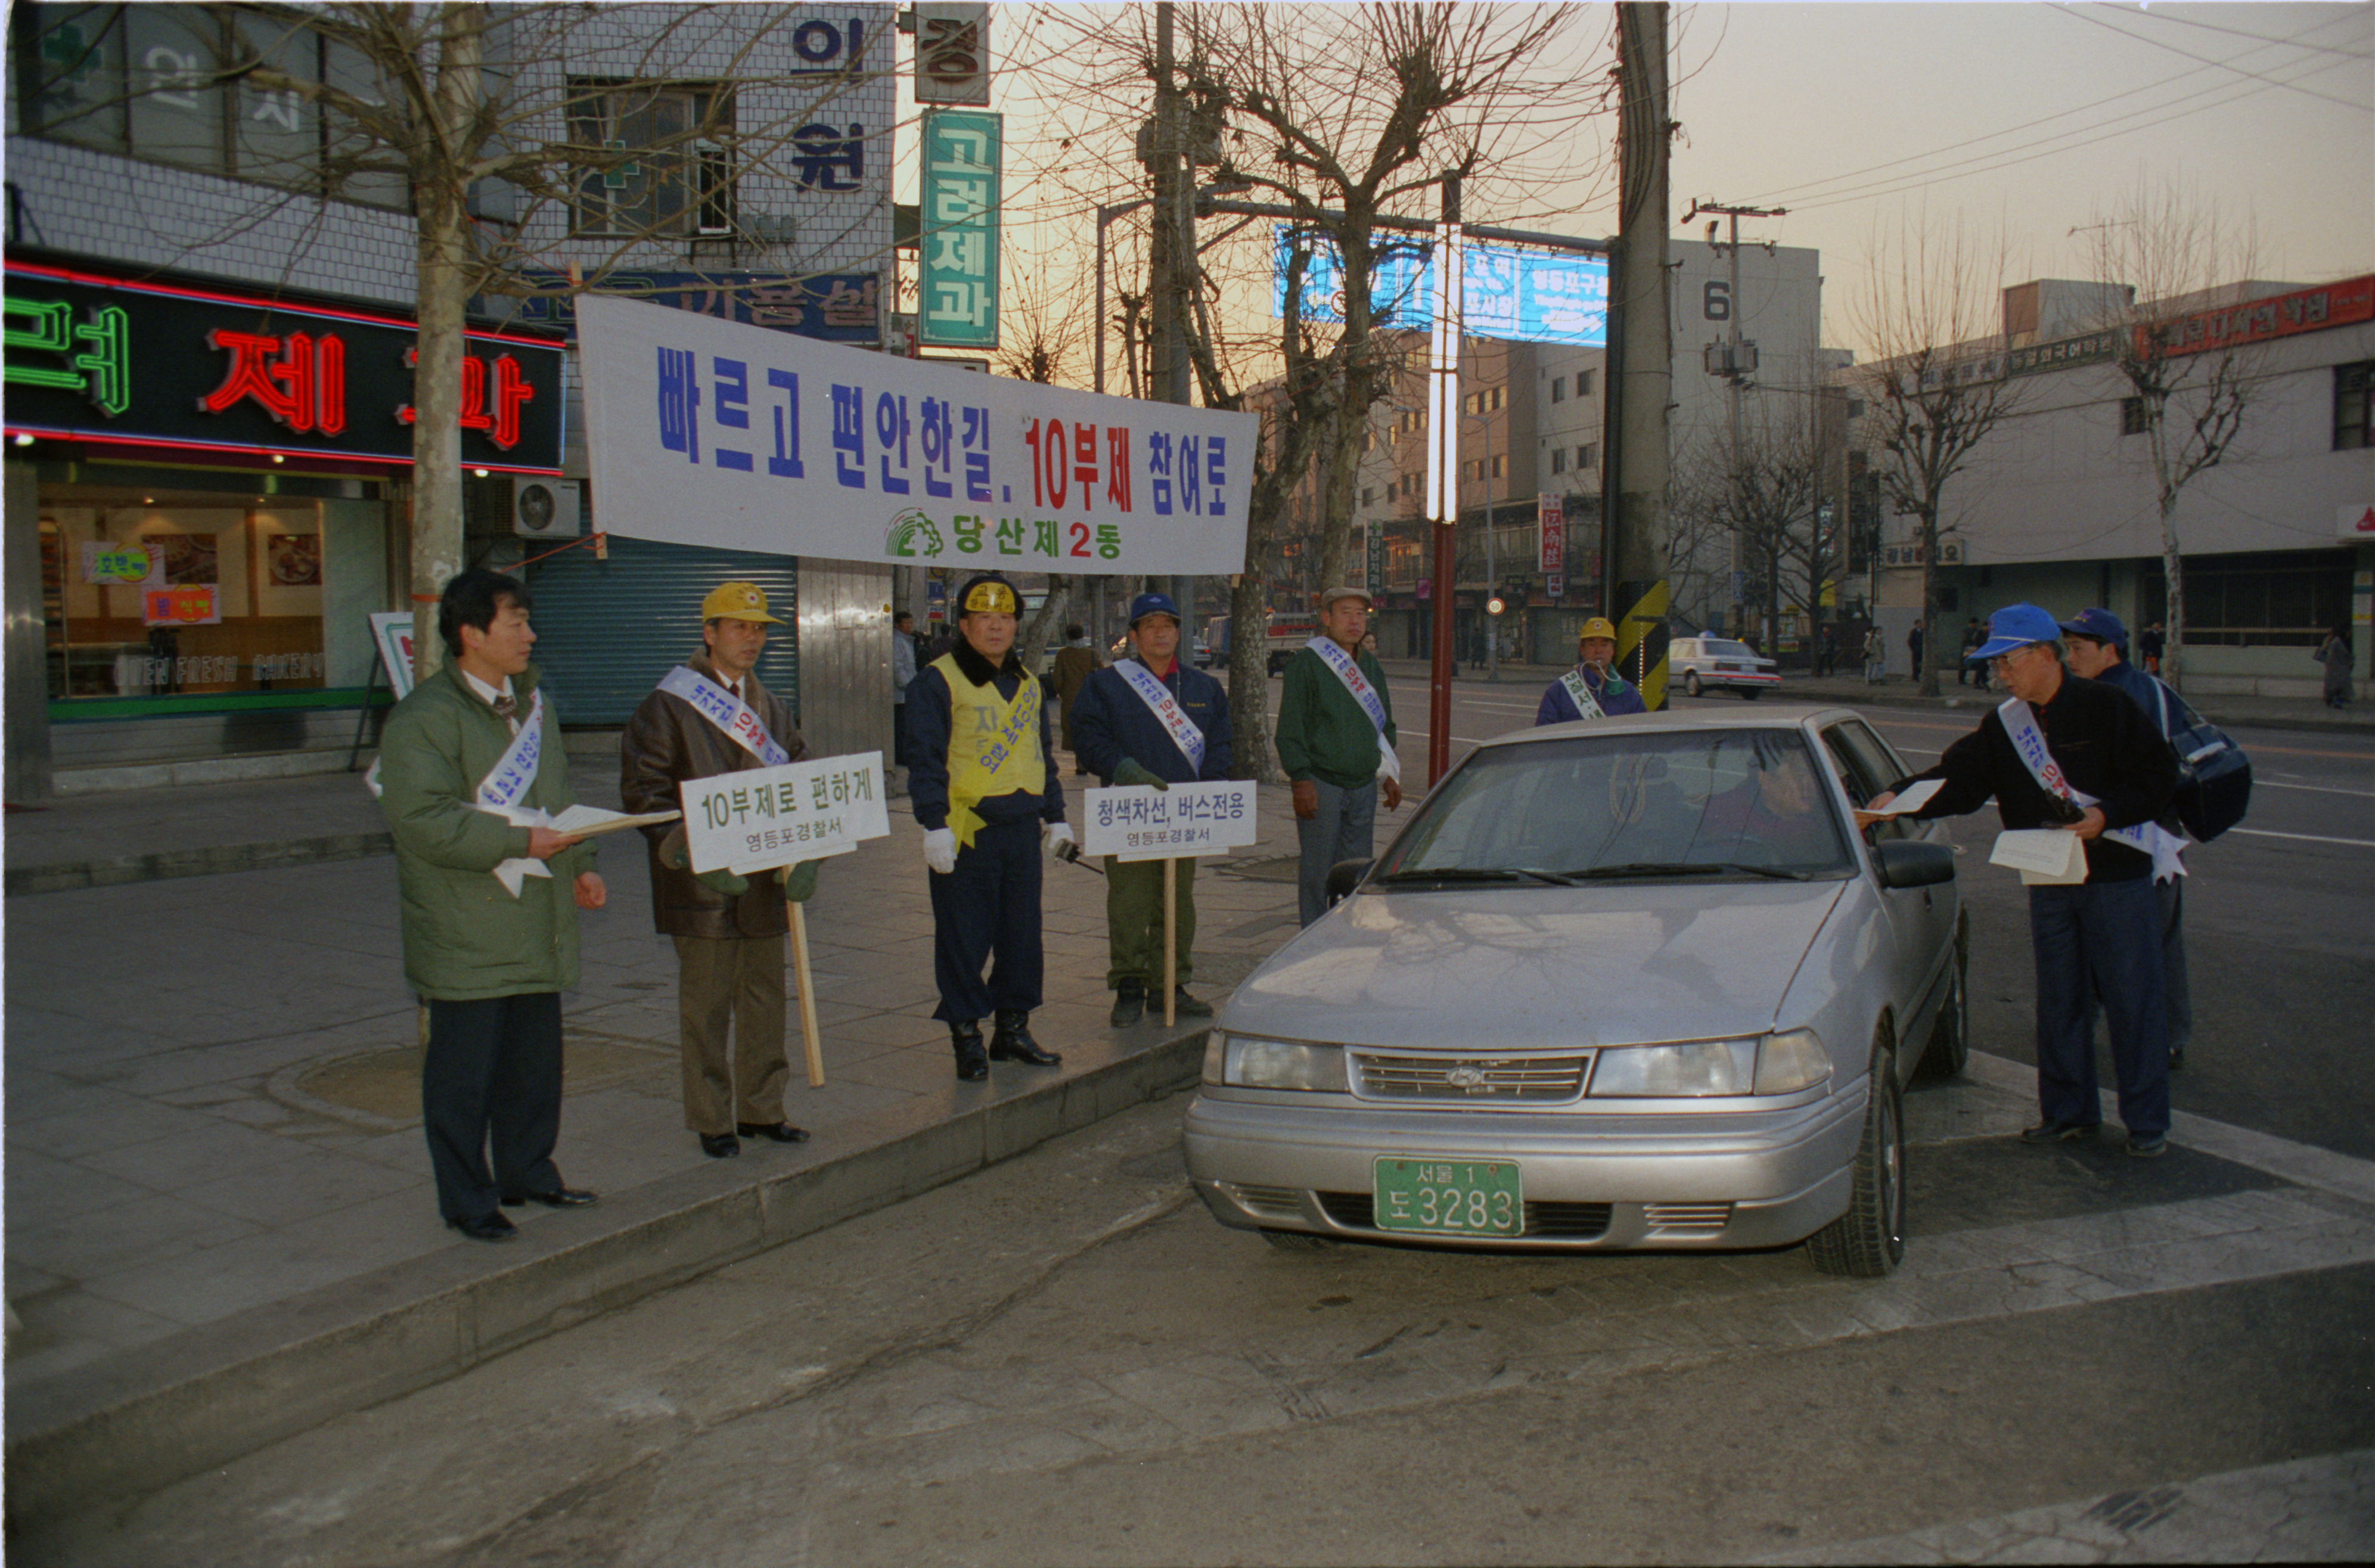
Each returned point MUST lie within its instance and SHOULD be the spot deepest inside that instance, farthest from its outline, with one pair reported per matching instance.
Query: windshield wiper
(1478, 874)
(1687, 869)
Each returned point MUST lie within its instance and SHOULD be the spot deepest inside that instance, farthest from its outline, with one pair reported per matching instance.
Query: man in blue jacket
(1151, 720)
(1592, 689)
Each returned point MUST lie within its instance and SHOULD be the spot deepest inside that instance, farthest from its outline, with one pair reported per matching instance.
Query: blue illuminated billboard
(1522, 295)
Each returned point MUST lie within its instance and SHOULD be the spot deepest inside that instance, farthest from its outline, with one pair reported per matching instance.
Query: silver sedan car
(1635, 982)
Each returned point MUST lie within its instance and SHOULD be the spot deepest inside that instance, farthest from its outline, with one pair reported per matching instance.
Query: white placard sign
(719, 433)
(763, 817)
(1140, 822)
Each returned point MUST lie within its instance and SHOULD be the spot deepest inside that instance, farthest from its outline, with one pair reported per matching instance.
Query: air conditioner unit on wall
(545, 509)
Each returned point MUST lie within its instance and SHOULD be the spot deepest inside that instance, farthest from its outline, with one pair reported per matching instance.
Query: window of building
(1391, 490)
(683, 185)
(2353, 406)
(1587, 455)
(1500, 465)
(2284, 599)
(1558, 460)
(1558, 389)
(1583, 383)
(1369, 495)
(2134, 421)
(1495, 396)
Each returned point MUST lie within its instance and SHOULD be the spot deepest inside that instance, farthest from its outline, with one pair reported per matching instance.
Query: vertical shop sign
(961, 157)
(953, 55)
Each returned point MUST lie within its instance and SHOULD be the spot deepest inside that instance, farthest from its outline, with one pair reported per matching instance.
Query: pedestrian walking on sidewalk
(490, 908)
(2061, 752)
(1965, 670)
(2334, 655)
(1875, 655)
(902, 675)
(1336, 742)
(1913, 646)
(1152, 720)
(1591, 690)
(710, 716)
(990, 799)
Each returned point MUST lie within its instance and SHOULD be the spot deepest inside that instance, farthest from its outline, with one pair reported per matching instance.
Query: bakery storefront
(206, 501)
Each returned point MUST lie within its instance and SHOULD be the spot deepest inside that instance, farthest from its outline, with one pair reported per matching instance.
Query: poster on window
(710, 432)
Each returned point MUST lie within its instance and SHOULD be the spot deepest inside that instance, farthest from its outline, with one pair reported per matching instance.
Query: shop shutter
(606, 631)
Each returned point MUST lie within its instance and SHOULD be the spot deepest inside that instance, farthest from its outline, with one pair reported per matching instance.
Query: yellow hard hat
(989, 595)
(1598, 626)
(737, 601)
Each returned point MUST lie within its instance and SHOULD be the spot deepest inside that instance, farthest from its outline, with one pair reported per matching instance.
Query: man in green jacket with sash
(472, 767)
(1336, 742)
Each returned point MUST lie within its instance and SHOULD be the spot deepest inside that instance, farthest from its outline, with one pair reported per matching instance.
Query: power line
(2222, 64)
(2293, 43)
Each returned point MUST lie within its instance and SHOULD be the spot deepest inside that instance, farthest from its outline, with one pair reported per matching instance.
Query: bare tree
(1767, 491)
(2180, 268)
(1931, 319)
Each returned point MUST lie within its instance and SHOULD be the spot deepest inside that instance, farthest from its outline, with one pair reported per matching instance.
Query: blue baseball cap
(2014, 626)
(1151, 604)
(2099, 624)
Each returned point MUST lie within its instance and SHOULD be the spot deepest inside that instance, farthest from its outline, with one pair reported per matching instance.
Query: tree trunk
(1926, 666)
(1050, 613)
(1250, 738)
(2172, 570)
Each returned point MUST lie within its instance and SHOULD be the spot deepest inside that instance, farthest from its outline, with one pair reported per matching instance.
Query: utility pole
(1172, 258)
(1640, 357)
(1735, 362)
(1443, 470)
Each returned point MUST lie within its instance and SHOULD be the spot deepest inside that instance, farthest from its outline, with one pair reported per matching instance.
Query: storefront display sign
(838, 308)
(105, 563)
(392, 634)
(96, 357)
(763, 817)
(187, 603)
(714, 433)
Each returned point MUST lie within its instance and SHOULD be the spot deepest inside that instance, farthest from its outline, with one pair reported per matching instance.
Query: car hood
(1519, 968)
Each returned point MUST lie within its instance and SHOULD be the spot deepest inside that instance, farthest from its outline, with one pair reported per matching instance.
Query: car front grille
(1470, 1081)
(1687, 1219)
(1280, 1203)
(1567, 1221)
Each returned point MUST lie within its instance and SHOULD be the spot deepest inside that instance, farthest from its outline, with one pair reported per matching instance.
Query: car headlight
(1251, 1063)
(1790, 1061)
(1657, 1072)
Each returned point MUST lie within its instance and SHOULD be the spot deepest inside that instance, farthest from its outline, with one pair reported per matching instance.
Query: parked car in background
(1637, 982)
(1695, 664)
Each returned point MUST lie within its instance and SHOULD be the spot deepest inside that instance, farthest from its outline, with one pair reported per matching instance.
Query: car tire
(1950, 1038)
(1296, 1241)
(1868, 1239)
(1750, 694)
(1691, 683)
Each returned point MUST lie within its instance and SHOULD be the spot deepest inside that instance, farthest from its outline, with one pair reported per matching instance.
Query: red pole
(1438, 706)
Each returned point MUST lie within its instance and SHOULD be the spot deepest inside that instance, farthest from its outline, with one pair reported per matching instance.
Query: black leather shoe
(774, 1132)
(1012, 1042)
(486, 1227)
(720, 1146)
(972, 1063)
(2147, 1146)
(2058, 1131)
(1185, 1006)
(1130, 1005)
(559, 1197)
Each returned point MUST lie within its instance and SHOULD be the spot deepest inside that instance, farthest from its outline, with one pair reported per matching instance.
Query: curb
(215, 860)
(143, 1420)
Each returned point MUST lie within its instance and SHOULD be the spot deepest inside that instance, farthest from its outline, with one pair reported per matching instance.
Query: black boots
(1012, 1042)
(973, 1066)
(1129, 1004)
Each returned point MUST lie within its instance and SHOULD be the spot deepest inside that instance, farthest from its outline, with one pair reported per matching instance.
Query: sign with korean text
(105, 562)
(392, 635)
(1140, 822)
(2355, 519)
(953, 55)
(2088, 349)
(763, 817)
(710, 432)
(1526, 296)
(2257, 321)
(1551, 512)
(189, 603)
(961, 158)
(94, 357)
(838, 307)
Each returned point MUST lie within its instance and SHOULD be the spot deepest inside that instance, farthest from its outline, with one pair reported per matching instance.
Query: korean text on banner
(959, 295)
(717, 434)
(763, 817)
(1186, 821)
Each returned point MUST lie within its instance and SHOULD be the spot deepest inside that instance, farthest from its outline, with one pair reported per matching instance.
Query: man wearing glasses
(2064, 753)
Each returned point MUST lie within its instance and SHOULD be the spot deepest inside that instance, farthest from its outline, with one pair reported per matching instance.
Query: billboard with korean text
(1519, 295)
(701, 432)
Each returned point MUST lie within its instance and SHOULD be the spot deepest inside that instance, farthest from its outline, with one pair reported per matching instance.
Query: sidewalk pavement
(221, 1226)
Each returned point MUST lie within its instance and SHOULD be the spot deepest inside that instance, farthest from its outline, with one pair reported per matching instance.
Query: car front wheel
(1691, 683)
(1869, 1238)
(1752, 692)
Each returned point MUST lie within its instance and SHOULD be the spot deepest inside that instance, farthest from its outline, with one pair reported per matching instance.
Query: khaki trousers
(1134, 922)
(737, 981)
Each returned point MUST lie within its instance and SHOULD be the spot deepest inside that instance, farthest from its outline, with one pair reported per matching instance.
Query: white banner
(763, 817)
(703, 432)
(1140, 822)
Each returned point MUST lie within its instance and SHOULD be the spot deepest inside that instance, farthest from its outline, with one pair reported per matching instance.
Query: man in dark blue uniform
(981, 775)
(1592, 689)
(1151, 720)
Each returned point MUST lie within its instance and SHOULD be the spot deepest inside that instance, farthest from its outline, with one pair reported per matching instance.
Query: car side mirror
(1914, 862)
(1343, 877)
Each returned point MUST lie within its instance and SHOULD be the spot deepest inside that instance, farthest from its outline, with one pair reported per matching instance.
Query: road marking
(2318, 789)
(2305, 838)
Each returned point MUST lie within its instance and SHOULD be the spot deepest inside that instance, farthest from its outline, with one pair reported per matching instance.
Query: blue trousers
(2100, 939)
(988, 911)
(1345, 829)
(492, 1077)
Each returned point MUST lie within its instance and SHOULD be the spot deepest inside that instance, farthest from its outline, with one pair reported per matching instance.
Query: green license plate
(1449, 1198)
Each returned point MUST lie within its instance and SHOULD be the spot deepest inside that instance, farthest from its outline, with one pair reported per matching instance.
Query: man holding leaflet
(468, 749)
(2063, 752)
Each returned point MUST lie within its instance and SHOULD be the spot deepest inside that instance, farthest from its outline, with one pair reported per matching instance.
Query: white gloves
(940, 850)
(1058, 836)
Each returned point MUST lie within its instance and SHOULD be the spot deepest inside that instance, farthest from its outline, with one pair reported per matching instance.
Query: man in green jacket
(468, 761)
(1336, 741)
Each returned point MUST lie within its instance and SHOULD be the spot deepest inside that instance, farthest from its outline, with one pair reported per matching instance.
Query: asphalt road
(2280, 920)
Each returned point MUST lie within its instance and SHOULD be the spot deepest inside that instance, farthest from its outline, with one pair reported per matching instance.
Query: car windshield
(1726, 650)
(1620, 804)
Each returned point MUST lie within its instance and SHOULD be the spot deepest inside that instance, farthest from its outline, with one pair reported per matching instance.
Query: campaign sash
(2028, 741)
(507, 783)
(1157, 696)
(1348, 670)
(727, 712)
(1586, 704)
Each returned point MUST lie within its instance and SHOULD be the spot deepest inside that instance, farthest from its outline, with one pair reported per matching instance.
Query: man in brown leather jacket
(728, 930)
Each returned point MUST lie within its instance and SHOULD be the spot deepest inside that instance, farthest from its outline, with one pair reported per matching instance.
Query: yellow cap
(990, 595)
(737, 601)
(1598, 626)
